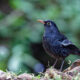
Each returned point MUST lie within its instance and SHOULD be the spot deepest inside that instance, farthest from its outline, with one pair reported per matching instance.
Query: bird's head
(49, 25)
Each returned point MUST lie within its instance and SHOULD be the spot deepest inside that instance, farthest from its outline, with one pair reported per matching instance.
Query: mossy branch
(71, 73)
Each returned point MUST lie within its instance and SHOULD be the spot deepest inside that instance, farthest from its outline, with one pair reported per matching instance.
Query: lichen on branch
(71, 73)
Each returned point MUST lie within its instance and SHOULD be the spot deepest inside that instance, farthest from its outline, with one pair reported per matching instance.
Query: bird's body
(53, 47)
(56, 44)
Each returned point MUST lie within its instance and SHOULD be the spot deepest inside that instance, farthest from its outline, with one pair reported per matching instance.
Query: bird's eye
(48, 23)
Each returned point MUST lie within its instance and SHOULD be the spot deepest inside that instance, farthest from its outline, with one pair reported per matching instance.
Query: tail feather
(76, 52)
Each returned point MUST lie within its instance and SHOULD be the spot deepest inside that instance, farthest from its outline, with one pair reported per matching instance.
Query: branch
(71, 73)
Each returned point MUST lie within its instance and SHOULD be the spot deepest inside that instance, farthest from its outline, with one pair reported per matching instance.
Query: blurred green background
(21, 35)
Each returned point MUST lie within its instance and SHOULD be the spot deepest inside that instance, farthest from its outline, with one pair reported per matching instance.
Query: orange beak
(41, 21)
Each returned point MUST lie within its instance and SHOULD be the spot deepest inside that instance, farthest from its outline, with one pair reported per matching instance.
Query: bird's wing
(69, 45)
(66, 42)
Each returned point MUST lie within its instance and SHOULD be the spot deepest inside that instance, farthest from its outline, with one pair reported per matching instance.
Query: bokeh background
(21, 35)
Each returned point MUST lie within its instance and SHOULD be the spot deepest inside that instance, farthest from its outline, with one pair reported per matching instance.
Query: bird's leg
(62, 65)
(55, 63)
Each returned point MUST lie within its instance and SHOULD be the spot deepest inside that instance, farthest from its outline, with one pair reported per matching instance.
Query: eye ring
(48, 23)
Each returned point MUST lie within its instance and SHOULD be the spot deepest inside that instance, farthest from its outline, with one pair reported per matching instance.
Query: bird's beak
(41, 21)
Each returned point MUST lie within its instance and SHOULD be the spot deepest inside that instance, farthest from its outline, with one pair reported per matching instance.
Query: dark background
(21, 35)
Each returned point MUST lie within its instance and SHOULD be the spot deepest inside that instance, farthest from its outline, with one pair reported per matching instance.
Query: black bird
(56, 44)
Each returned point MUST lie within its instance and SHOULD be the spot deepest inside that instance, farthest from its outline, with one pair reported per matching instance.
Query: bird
(56, 44)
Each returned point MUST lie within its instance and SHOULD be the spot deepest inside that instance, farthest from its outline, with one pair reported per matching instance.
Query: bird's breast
(47, 46)
(53, 48)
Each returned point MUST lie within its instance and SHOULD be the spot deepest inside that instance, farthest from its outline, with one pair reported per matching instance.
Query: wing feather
(66, 42)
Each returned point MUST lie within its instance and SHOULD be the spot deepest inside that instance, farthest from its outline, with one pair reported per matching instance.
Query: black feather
(56, 44)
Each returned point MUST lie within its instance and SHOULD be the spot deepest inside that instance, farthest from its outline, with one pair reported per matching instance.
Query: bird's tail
(77, 52)
(74, 50)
